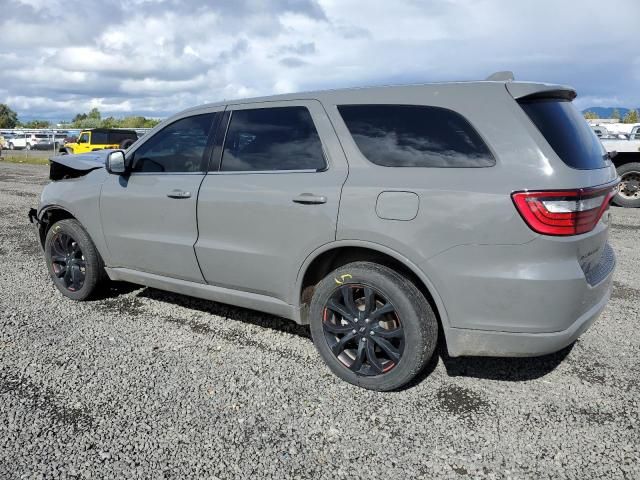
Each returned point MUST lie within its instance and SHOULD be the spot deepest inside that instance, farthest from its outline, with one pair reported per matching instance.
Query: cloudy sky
(155, 57)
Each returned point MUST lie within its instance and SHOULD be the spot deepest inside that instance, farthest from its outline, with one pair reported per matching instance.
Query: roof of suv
(516, 89)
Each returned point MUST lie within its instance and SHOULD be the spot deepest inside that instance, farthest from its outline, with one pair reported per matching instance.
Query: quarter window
(177, 148)
(415, 136)
(278, 138)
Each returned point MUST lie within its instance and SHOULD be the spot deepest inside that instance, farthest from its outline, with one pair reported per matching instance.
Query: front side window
(177, 148)
(415, 136)
(278, 138)
(84, 138)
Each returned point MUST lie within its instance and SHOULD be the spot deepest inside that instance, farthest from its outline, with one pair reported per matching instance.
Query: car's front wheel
(74, 264)
(372, 326)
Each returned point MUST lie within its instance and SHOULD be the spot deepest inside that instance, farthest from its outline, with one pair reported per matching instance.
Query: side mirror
(116, 163)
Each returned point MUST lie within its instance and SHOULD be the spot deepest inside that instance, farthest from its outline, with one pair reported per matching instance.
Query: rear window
(415, 136)
(567, 132)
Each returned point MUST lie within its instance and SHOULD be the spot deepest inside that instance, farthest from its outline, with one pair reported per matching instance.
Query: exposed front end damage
(63, 167)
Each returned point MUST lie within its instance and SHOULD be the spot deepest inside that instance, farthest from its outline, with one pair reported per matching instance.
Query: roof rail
(505, 76)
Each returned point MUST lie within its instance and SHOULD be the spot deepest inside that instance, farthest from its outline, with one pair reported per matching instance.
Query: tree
(94, 114)
(590, 115)
(36, 124)
(631, 117)
(615, 114)
(8, 118)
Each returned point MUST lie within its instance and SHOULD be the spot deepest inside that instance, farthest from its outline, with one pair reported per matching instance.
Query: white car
(23, 140)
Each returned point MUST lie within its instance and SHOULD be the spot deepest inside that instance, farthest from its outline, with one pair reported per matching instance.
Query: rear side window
(568, 133)
(99, 138)
(278, 138)
(119, 137)
(415, 136)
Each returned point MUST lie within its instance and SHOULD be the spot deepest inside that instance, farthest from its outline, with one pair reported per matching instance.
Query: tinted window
(567, 132)
(283, 138)
(179, 147)
(99, 138)
(415, 136)
(119, 137)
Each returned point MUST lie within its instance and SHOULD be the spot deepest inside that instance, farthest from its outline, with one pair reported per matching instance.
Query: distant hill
(605, 112)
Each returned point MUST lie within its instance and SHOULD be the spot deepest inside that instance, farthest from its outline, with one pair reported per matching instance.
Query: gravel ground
(146, 384)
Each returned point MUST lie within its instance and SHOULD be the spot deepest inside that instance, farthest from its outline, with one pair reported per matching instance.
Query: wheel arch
(333, 255)
(50, 215)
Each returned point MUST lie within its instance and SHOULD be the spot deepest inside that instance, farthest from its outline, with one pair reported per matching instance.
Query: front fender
(79, 197)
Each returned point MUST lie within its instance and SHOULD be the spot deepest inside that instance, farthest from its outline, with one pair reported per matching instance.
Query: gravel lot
(146, 384)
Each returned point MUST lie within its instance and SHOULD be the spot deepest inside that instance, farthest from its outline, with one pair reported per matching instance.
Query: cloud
(156, 57)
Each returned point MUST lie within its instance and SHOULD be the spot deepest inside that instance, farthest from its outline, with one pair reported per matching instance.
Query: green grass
(24, 159)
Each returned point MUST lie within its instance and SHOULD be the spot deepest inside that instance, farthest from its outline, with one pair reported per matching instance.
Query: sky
(157, 57)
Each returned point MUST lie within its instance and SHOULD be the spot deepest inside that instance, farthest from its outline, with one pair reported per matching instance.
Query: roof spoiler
(505, 76)
(533, 91)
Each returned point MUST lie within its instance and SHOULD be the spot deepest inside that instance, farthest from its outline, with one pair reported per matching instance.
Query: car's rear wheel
(11, 147)
(372, 326)
(74, 264)
(629, 193)
(28, 147)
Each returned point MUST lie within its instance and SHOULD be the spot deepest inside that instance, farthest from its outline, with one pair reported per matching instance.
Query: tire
(126, 144)
(411, 328)
(11, 147)
(629, 195)
(28, 147)
(59, 251)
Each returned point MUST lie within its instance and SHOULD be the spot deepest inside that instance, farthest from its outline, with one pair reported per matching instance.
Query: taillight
(564, 212)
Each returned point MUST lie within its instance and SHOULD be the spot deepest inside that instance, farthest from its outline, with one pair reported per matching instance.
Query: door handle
(310, 199)
(179, 194)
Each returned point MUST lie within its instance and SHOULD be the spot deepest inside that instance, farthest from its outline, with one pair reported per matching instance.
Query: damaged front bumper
(33, 216)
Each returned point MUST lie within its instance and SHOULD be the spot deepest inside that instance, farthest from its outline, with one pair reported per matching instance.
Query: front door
(83, 145)
(273, 198)
(149, 216)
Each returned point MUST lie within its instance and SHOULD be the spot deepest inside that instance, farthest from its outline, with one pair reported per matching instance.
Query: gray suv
(382, 217)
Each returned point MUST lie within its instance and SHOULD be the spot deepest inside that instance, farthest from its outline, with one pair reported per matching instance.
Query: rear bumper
(463, 341)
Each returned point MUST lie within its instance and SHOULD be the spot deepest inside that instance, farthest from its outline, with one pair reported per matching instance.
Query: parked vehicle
(7, 141)
(99, 139)
(625, 154)
(49, 142)
(22, 141)
(377, 216)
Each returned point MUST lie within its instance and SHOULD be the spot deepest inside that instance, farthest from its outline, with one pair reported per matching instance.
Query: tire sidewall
(416, 317)
(620, 200)
(93, 262)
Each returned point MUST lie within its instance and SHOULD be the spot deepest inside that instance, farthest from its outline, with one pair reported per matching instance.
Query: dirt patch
(46, 401)
(624, 292)
(122, 305)
(617, 226)
(591, 373)
(461, 401)
(19, 193)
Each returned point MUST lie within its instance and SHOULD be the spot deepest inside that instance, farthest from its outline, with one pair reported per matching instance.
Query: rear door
(149, 216)
(272, 198)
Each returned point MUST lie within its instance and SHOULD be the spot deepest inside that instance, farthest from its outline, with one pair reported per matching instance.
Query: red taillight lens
(564, 212)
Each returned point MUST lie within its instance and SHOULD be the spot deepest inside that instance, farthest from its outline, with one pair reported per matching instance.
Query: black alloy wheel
(363, 330)
(68, 262)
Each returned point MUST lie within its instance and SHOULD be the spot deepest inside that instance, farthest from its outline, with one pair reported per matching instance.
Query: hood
(72, 166)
